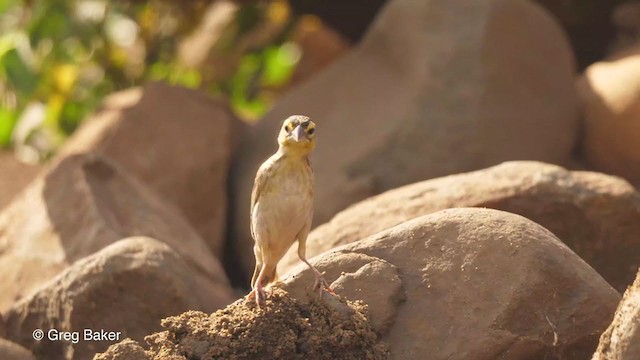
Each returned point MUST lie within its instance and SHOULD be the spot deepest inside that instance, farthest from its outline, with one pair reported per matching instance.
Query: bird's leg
(258, 291)
(320, 282)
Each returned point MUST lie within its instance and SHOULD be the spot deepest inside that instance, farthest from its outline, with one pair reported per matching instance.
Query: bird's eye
(287, 127)
(311, 131)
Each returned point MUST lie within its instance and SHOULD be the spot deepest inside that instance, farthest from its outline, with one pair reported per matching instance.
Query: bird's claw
(259, 294)
(321, 283)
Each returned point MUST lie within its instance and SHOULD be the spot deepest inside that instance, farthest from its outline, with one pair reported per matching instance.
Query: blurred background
(58, 59)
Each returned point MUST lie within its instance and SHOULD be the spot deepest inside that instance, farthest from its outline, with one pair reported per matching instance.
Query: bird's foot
(321, 284)
(259, 294)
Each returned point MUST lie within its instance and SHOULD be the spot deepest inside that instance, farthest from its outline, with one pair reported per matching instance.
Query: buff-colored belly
(278, 218)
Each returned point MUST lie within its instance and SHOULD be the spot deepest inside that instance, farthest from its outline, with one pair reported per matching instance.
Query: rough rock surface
(354, 282)
(611, 108)
(77, 207)
(477, 283)
(283, 328)
(127, 349)
(13, 351)
(15, 176)
(435, 88)
(621, 341)
(127, 287)
(596, 215)
(176, 140)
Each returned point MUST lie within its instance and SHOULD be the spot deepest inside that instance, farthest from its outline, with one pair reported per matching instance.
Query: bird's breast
(285, 205)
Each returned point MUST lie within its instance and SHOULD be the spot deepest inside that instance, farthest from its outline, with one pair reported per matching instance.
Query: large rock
(611, 108)
(14, 176)
(621, 341)
(477, 284)
(437, 87)
(12, 351)
(588, 26)
(76, 208)
(127, 287)
(596, 215)
(178, 141)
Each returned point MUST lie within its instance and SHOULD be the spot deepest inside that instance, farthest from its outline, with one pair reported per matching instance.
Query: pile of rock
(444, 197)
(106, 237)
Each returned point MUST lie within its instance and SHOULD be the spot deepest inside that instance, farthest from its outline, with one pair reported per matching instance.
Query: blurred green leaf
(69, 54)
(50, 20)
(280, 62)
(159, 71)
(71, 116)
(189, 78)
(244, 88)
(8, 119)
(6, 5)
(18, 73)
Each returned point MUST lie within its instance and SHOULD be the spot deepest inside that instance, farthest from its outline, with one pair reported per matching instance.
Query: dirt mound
(283, 328)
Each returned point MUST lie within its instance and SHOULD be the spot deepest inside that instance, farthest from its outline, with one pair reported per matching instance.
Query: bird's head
(297, 135)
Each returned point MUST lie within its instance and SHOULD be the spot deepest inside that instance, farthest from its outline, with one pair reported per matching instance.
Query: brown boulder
(588, 25)
(14, 176)
(611, 108)
(13, 351)
(596, 215)
(354, 282)
(127, 287)
(480, 284)
(435, 88)
(80, 205)
(621, 341)
(176, 140)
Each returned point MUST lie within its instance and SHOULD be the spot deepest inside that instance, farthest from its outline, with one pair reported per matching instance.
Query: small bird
(282, 204)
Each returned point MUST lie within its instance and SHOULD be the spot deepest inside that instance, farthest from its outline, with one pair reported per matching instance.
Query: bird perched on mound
(282, 203)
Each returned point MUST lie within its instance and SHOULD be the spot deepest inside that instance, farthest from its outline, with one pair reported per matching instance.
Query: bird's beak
(298, 133)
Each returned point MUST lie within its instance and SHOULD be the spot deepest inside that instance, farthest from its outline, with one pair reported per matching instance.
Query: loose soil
(282, 328)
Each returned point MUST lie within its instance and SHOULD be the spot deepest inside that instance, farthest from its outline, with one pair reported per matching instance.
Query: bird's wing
(258, 186)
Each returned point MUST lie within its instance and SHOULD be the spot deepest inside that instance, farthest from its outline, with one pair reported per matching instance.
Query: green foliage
(7, 123)
(66, 55)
